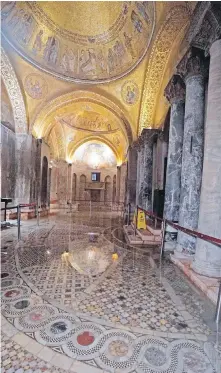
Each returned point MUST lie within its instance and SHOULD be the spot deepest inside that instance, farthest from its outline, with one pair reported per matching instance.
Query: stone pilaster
(149, 136)
(175, 93)
(123, 175)
(208, 256)
(193, 69)
(25, 188)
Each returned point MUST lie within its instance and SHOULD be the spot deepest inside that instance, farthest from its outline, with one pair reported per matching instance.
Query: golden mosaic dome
(87, 42)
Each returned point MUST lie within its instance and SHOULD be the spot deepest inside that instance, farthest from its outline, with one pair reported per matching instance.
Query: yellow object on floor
(140, 220)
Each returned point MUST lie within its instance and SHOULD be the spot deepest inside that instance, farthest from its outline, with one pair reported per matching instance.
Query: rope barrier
(191, 232)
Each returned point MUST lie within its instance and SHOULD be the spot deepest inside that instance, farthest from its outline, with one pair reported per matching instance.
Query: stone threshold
(209, 286)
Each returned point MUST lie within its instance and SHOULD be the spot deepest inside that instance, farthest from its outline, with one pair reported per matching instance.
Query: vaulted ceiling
(93, 70)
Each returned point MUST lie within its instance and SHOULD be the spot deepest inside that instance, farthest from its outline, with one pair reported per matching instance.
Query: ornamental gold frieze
(51, 37)
(169, 32)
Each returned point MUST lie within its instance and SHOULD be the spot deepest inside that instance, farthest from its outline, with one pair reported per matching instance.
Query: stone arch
(41, 126)
(44, 181)
(15, 94)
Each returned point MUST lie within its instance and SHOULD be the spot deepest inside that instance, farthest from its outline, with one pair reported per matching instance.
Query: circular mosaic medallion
(57, 330)
(58, 327)
(130, 92)
(36, 86)
(13, 293)
(22, 304)
(155, 356)
(118, 348)
(35, 318)
(6, 283)
(4, 274)
(9, 282)
(85, 338)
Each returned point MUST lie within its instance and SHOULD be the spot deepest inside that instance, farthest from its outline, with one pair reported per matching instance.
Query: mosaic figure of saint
(142, 7)
(131, 95)
(53, 53)
(119, 52)
(25, 29)
(111, 63)
(38, 42)
(88, 61)
(34, 88)
(128, 45)
(16, 19)
(6, 9)
(101, 61)
(138, 25)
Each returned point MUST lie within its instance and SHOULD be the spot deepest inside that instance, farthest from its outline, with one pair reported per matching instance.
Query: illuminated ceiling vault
(93, 71)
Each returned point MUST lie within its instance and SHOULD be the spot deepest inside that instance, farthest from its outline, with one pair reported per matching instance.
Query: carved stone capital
(193, 64)
(205, 26)
(149, 135)
(175, 89)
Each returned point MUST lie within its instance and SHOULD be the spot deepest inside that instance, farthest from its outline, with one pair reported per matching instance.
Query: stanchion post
(38, 215)
(163, 236)
(218, 306)
(19, 221)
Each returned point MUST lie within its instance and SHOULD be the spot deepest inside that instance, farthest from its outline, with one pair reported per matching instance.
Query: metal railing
(215, 241)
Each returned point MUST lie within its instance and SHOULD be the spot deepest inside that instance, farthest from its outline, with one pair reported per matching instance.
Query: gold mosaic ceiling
(91, 42)
(129, 47)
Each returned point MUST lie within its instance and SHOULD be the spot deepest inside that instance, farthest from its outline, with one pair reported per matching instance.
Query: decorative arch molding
(41, 121)
(15, 94)
(171, 29)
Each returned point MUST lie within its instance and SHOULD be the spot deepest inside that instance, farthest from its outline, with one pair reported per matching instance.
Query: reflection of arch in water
(44, 181)
(114, 188)
(82, 187)
(74, 187)
(107, 191)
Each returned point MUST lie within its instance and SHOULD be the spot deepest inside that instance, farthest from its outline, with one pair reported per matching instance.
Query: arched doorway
(44, 181)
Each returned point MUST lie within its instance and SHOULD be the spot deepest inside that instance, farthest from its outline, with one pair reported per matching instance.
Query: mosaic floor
(67, 305)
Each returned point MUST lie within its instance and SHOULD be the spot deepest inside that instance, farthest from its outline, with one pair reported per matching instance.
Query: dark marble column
(207, 259)
(131, 176)
(148, 136)
(192, 157)
(175, 93)
(138, 147)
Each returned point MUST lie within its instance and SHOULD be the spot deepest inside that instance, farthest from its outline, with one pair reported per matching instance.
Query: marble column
(139, 157)
(118, 185)
(131, 176)
(149, 136)
(123, 175)
(207, 259)
(175, 93)
(192, 157)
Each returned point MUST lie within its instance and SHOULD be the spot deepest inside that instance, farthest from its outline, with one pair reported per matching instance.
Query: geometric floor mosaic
(114, 315)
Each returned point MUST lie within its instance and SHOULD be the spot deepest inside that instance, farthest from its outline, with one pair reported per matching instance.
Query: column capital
(175, 89)
(193, 64)
(205, 26)
(149, 135)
